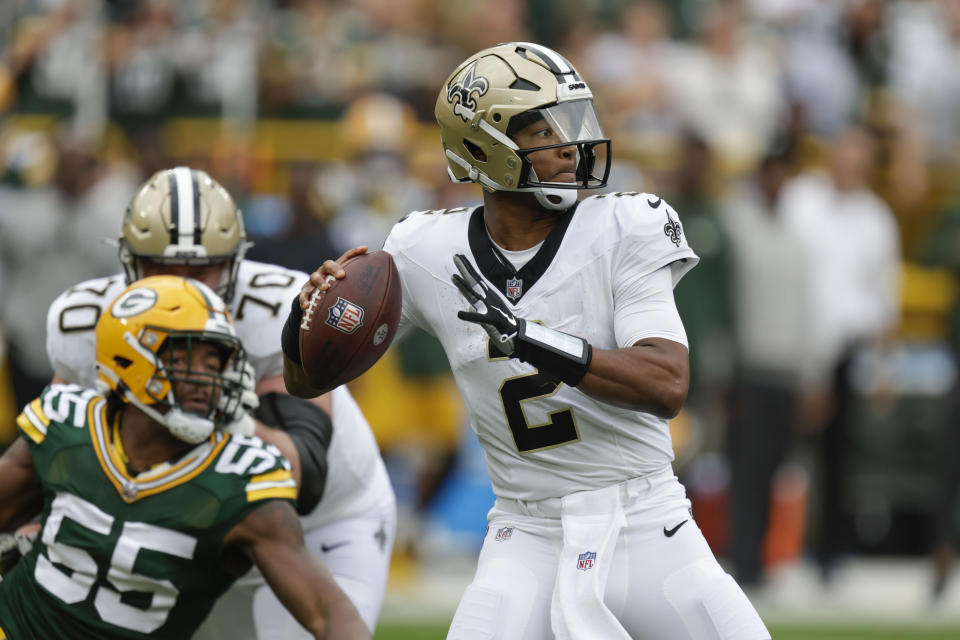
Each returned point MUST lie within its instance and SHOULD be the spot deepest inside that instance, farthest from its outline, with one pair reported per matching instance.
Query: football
(346, 328)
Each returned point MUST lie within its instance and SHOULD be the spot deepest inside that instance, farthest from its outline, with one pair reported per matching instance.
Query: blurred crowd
(810, 147)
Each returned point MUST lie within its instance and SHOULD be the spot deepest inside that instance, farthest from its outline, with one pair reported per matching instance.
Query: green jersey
(124, 556)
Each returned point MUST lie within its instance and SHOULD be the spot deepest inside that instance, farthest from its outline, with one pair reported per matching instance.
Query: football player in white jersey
(558, 319)
(183, 222)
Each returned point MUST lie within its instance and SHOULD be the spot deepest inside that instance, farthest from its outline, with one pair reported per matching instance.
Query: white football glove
(14, 546)
(9, 553)
(241, 423)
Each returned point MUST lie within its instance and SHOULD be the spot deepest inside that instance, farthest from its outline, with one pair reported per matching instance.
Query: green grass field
(414, 631)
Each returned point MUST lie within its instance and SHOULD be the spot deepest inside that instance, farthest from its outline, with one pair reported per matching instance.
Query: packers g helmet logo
(461, 93)
(134, 302)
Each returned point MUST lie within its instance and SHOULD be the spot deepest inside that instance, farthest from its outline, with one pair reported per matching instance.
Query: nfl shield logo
(585, 560)
(514, 288)
(345, 316)
(504, 534)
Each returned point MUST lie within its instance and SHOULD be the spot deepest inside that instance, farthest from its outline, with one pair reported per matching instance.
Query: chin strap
(184, 426)
(556, 199)
(552, 199)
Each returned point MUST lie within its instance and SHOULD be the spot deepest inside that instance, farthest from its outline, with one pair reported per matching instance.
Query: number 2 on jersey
(559, 430)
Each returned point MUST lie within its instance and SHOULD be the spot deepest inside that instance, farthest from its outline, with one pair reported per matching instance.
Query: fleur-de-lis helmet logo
(464, 92)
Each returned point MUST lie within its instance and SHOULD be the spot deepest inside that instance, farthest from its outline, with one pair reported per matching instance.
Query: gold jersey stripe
(258, 486)
(41, 422)
(261, 486)
(277, 475)
(115, 469)
(30, 430)
(37, 407)
(276, 492)
(3, 635)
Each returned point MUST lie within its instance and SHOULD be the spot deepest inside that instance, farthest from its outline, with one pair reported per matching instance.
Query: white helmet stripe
(558, 63)
(186, 208)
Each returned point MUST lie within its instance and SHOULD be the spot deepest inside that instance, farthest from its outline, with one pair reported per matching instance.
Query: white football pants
(663, 581)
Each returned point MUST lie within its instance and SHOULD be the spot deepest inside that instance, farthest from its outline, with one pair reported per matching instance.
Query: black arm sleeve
(290, 336)
(311, 430)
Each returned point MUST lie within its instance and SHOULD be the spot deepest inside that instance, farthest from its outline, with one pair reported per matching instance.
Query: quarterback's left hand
(241, 372)
(489, 309)
(560, 354)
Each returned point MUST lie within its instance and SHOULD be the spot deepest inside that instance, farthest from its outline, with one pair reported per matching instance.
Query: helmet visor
(581, 152)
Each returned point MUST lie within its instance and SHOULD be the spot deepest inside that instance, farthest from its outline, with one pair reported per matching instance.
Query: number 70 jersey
(542, 438)
(259, 308)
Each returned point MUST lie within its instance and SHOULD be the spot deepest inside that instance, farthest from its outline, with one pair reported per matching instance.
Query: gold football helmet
(501, 90)
(183, 216)
(136, 338)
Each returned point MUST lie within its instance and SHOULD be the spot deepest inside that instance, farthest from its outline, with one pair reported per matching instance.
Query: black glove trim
(565, 356)
(290, 336)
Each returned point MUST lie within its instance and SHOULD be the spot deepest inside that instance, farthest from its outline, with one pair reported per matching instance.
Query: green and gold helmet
(500, 91)
(182, 216)
(136, 343)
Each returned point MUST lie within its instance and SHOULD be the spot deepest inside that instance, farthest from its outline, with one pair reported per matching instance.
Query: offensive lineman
(150, 509)
(570, 356)
(183, 222)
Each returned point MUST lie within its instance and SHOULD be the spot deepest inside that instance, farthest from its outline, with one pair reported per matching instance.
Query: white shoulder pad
(71, 319)
(423, 245)
(260, 306)
(646, 228)
(411, 228)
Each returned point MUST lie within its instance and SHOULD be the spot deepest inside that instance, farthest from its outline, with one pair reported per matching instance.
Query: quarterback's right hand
(329, 270)
(320, 279)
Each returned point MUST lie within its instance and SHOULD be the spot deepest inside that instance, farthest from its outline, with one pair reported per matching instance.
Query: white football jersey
(260, 306)
(543, 438)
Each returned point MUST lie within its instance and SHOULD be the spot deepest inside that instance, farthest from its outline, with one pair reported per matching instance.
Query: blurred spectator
(323, 53)
(867, 40)
(726, 87)
(302, 64)
(704, 297)
(474, 25)
(57, 62)
(47, 52)
(304, 242)
(378, 133)
(924, 54)
(631, 68)
(770, 305)
(218, 53)
(821, 79)
(51, 235)
(142, 57)
(943, 251)
(852, 252)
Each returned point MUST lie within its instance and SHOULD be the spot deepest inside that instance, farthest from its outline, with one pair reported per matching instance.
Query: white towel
(592, 521)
